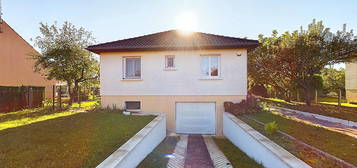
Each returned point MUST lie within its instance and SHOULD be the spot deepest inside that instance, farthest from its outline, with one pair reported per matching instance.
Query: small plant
(271, 127)
(264, 105)
(114, 107)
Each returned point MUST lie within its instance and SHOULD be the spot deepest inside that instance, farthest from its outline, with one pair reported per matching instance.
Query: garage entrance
(196, 118)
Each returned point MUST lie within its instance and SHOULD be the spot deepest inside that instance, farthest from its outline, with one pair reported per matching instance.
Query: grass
(334, 101)
(81, 140)
(157, 158)
(237, 157)
(339, 145)
(28, 116)
(347, 113)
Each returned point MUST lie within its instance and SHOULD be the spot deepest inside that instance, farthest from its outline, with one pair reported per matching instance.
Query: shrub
(251, 105)
(271, 127)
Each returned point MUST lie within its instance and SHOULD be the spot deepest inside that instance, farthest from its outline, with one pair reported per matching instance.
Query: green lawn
(339, 145)
(237, 157)
(347, 113)
(28, 116)
(334, 100)
(78, 140)
(158, 158)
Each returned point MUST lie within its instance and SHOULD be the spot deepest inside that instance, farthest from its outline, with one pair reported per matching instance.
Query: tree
(296, 58)
(333, 79)
(63, 56)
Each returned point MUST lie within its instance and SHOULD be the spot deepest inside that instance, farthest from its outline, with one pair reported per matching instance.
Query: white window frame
(219, 75)
(124, 68)
(166, 62)
(133, 110)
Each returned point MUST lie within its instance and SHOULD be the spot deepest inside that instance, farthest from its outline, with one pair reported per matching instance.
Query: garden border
(257, 146)
(131, 153)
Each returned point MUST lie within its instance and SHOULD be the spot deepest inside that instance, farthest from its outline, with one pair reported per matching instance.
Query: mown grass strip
(237, 157)
(337, 144)
(30, 120)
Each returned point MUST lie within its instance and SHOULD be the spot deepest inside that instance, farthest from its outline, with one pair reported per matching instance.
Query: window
(169, 61)
(132, 68)
(210, 66)
(132, 105)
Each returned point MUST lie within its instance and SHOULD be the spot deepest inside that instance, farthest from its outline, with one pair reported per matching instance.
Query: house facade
(351, 82)
(187, 77)
(16, 67)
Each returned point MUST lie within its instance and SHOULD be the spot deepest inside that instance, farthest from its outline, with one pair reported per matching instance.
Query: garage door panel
(195, 118)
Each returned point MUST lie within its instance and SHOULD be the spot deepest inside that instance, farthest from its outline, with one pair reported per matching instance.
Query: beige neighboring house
(186, 76)
(16, 67)
(351, 82)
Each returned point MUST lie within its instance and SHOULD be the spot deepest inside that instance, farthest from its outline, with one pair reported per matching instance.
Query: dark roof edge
(101, 50)
(145, 35)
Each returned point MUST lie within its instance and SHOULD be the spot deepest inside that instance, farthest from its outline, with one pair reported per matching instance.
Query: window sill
(131, 79)
(170, 69)
(210, 78)
(133, 110)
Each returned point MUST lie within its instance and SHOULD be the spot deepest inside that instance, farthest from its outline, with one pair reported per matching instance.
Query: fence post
(339, 97)
(53, 96)
(79, 97)
(30, 97)
(316, 94)
(60, 96)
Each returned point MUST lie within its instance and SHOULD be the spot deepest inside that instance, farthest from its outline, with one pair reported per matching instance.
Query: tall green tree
(333, 79)
(298, 57)
(63, 56)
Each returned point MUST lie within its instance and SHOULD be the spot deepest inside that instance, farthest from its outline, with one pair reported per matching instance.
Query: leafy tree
(294, 59)
(63, 56)
(333, 79)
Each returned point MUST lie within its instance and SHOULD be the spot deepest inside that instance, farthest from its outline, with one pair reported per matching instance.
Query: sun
(186, 22)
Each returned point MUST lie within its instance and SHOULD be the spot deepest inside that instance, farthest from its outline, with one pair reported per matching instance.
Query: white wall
(130, 154)
(257, 146)
(351, 75)
(184, 81)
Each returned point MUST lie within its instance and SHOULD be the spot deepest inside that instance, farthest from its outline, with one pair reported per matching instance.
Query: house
(16, 67)
(187, 76)
(351, 82)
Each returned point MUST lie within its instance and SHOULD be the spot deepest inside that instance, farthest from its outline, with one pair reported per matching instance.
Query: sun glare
(186, 22)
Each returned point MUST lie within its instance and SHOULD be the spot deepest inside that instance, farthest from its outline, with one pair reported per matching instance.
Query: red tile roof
(174, 40)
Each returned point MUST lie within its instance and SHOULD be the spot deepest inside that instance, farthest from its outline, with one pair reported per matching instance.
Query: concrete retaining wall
(130, 154)
(257, 146)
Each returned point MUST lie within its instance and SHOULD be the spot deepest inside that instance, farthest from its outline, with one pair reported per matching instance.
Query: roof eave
(98, 50)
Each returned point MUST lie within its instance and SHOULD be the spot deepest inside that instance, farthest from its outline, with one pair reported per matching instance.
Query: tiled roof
(174, 40)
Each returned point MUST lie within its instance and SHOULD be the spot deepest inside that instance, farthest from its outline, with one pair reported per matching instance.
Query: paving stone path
(197, 151)
(334, 126)
(197, 155)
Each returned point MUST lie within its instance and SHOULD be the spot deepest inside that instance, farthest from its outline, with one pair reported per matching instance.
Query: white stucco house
(351, 81)
(186, 76)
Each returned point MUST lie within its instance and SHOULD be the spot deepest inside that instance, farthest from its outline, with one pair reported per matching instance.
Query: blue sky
(117, 19)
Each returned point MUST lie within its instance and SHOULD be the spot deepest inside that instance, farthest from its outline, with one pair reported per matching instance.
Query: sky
(111, 20)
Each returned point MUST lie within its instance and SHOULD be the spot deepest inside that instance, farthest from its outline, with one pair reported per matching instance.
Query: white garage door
(196, 118)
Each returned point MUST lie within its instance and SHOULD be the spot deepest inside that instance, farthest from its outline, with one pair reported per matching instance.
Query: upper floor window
(169, 61)
(132, 68)
(210, 65)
